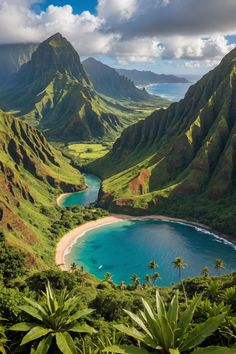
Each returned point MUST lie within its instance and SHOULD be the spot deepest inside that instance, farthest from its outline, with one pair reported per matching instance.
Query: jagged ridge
(53, 92)
(187, 150)
(107, 81)
(32, 173)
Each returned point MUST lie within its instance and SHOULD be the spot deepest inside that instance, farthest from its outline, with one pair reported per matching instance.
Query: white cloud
(19, 24)
(114, 10)
(130, 30)
(137, 50)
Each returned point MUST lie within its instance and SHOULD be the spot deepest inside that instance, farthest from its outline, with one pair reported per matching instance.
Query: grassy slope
(53, 92)
(180, 161)
(32, 174)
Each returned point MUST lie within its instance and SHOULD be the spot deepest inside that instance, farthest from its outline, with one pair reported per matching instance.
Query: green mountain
(32, 174)
(107, 81)
(149, 77)
(13, 56)
(53, 92)
(180, 161)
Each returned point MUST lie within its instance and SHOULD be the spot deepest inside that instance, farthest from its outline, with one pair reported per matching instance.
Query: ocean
(173, 92)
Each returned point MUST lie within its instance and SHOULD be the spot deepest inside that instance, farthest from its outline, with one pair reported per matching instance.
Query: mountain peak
(57, 40)
(55, 55)
(57, 35)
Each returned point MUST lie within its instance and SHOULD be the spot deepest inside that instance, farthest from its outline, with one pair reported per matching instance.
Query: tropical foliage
(54, 323)
(168, 330)
(3, 339)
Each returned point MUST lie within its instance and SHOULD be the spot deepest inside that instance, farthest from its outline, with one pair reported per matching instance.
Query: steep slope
(107, 81)
(13, 56)
(181, 160)
(149, 77)
(53, 92)
(32, 174)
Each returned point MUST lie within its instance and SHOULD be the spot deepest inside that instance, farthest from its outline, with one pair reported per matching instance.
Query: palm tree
(168, 330)
(137, 283)
(180, 264)
(73, 267)
(219, 265)
(205, 271)
(122, 285)
(134, 278)
(81, 269)
(52, 323)
(153, 265)
(148, 279)
(156, 277)
(108, 277)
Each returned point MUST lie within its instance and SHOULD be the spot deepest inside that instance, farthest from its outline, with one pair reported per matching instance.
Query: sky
(165, 36)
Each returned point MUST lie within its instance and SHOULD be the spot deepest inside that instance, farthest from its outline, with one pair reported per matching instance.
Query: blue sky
(166, 36)
(77, 5)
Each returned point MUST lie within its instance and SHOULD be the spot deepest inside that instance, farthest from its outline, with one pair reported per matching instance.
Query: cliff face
(13, 56)
(107, 81)
(32, 173)
(186, 150)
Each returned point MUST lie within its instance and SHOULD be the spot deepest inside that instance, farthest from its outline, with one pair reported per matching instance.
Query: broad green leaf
(201, 331)
(82, 328)
(65, 343)
(215, 350)
(148, 309)
(35, 305)
(124, 349)
(153, 339)
(139, 322)
(80, 314)
(23, 326)
(2, 350)
(32, 312)
(168, 334)
(173, 311)
(35, 333)
(161, 311)
(186, 318)
(153, 323)
(44, 345)
(174, 351)
(130, 331)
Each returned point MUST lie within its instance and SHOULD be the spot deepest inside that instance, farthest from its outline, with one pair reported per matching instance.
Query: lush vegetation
(179, 161)
(52, 91)
(73, 312)
(85, 153)
(32, 175)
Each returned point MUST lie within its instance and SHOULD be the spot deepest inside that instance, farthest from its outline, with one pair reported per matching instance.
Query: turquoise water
(126, 247)
(173, 92)
(85, 197)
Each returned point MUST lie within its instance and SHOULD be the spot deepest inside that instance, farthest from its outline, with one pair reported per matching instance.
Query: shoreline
(69, 239)
(60, 198)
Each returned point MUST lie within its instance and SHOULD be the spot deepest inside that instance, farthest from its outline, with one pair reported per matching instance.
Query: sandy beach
(60, 198)
(71, 237)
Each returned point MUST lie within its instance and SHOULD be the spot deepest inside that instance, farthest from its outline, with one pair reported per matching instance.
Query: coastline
(68, 240)
(60, 198)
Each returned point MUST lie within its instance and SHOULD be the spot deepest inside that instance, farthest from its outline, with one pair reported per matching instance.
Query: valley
(111, 197)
